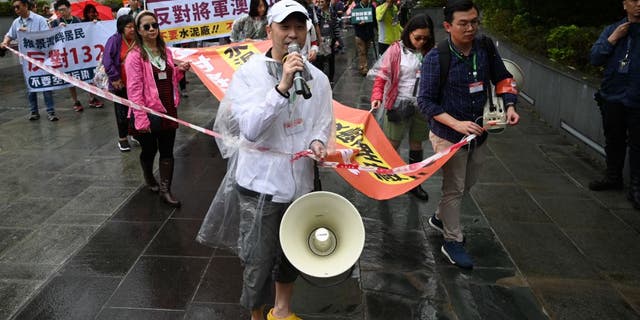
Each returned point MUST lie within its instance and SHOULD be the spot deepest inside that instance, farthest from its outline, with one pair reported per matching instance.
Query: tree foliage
(563, 31)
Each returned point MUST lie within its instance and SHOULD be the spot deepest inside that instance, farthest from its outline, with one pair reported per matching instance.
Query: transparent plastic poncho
(261, 134)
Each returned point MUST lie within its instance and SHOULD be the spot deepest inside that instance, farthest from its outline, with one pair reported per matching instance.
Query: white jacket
(266, 129)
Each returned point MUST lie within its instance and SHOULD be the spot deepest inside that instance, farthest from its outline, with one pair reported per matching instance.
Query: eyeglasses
(465, 24)
(62, 9)
(148, 26)
(16, 7)
(420, 38)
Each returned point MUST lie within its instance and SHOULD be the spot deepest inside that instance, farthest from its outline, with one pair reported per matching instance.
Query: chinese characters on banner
(74, 49)
(215, 65)
(193, 20)
(361, 15)
(355, 129)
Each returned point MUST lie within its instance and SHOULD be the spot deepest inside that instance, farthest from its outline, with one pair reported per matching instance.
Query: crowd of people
(427, 91)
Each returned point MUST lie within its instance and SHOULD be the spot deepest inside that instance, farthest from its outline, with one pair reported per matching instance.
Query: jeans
(48, 100)
(621, 130)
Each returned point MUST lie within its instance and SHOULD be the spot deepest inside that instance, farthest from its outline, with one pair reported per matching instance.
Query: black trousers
(121, 114)
(621, 129)
(153, 142)
(326, 64)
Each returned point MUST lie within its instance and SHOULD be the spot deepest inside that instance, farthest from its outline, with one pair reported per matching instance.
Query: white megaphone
(494, 117)
(322, 234)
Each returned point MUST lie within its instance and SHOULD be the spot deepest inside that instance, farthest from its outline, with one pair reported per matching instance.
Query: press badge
(294, 126)
(623, 66)
(476, 87)
(162, 76)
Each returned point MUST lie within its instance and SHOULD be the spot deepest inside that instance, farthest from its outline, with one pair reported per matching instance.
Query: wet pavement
(81, 239)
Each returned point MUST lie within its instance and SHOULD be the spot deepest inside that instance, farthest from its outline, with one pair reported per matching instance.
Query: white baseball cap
(283, 8)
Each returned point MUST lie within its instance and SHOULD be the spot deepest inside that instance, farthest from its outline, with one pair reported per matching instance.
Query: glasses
(148, 26)
(16, 7)
(465, 24)
(420, 38)
(62, 9)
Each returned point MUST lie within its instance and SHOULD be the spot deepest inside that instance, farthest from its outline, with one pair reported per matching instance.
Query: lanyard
(474, 63)
(626, 55)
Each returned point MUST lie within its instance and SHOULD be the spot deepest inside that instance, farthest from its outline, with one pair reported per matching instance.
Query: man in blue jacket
(618, 50)
(454, 109)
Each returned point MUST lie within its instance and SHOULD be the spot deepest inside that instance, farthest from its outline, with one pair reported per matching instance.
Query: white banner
(74, 49)
(193, 20)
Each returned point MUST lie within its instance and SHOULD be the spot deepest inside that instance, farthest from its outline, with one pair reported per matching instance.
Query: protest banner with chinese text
(361, 15)
(355, 129)
(74, 49)
(193, 20)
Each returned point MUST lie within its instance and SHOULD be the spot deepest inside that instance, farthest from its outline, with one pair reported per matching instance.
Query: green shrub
(6, 9)
(431, 3)
(571, 44)
(113, 4)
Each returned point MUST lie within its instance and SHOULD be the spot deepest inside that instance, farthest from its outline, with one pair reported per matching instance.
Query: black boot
(166, 175)
(418, 192)
(147, 172)
(611, 181)
(634, 192)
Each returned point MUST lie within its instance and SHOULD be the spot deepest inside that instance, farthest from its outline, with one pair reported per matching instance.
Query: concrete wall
(559, 97)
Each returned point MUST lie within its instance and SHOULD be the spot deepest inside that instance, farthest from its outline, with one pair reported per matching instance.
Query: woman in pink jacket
(396, 86)
(152, 81)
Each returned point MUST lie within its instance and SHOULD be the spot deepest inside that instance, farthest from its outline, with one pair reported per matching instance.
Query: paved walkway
(80, 238)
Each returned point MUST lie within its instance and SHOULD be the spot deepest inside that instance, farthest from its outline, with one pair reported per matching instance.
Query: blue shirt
(34, 22)
(457, 101)
(619, 87)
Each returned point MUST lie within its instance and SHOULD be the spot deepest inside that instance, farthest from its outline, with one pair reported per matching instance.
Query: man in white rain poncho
(264, 123)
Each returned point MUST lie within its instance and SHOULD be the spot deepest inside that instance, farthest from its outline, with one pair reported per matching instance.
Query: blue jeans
(48, 100)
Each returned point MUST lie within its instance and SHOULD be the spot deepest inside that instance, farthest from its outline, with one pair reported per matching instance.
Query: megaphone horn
(322, 234)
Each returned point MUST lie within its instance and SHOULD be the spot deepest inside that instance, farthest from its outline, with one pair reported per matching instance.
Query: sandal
(292, 316)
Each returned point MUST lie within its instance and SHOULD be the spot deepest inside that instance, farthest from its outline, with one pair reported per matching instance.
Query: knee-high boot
(418, 192)
(166, 176)
(147, 172)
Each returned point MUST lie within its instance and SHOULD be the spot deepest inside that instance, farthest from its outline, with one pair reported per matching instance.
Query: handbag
(100, 78)
(402, 109)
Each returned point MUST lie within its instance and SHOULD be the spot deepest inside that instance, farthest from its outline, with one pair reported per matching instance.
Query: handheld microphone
(299, 83)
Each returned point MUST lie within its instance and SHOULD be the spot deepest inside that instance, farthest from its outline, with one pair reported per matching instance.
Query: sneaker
(95, 103)
(455, 252)
(184, 94)
(34, 116)
(436, 223)
(52, 116)
(77, 106)
(124, 146)
(606, 183)
(134, 140)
